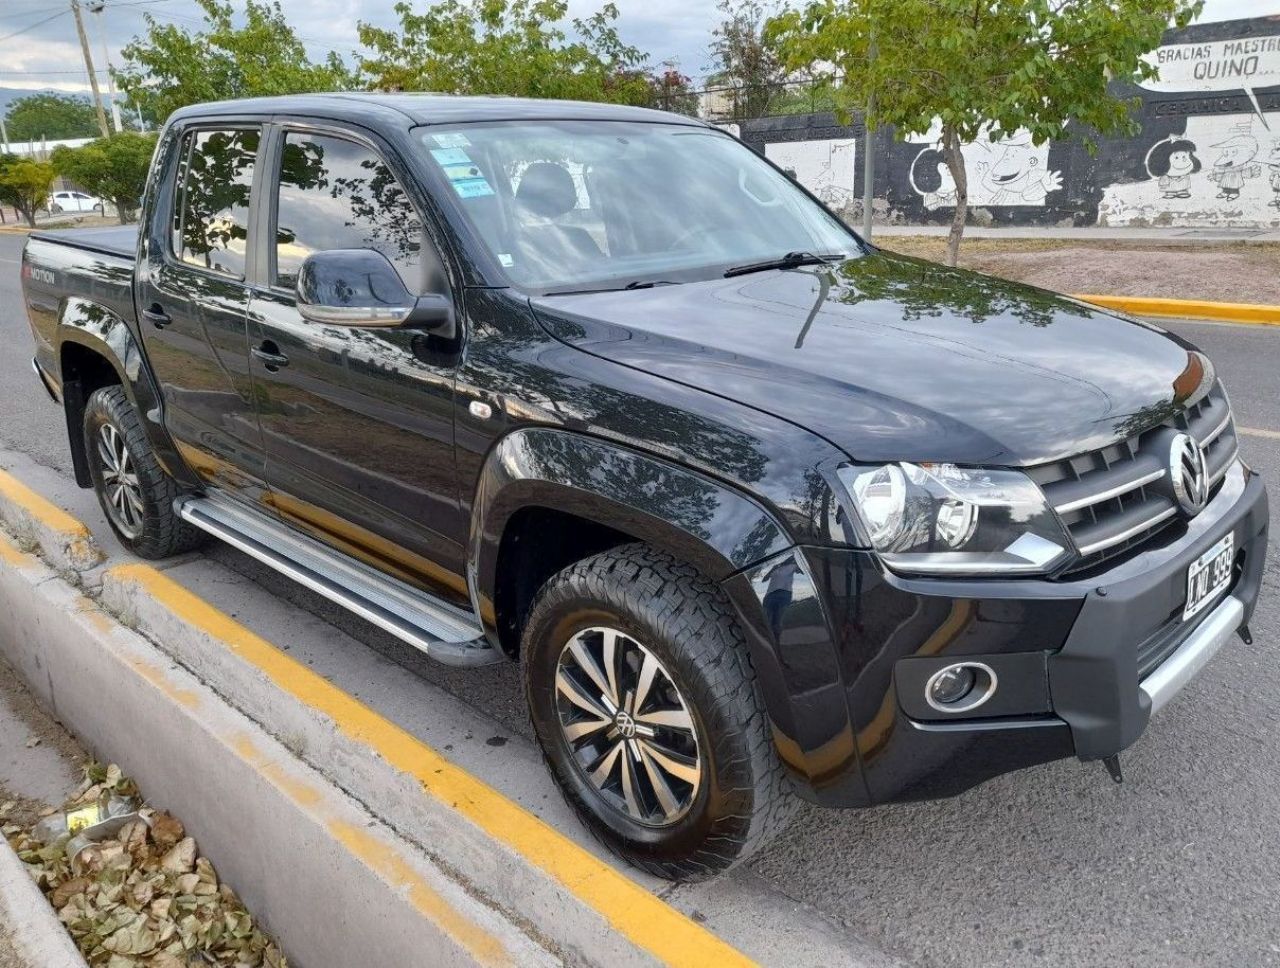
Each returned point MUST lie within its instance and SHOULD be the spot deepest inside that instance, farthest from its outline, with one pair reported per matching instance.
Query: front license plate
(1208, 576)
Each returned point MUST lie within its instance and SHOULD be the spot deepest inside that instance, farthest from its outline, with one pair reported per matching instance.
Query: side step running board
(444, 632)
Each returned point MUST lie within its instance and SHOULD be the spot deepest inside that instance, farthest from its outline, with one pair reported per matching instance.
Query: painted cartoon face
(1014, 168)
(948, 184)
(1180, 163)
(1233, 155)
(1274, 157)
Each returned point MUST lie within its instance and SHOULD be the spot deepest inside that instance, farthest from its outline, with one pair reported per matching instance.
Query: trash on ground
(131, 887)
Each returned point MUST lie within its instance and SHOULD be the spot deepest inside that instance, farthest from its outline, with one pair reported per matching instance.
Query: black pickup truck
(760, 509)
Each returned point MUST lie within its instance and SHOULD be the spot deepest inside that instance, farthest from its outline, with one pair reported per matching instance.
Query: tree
(671, 91)
(114, 168)
(50, 115)
(745, 59)
(505, 47)
(25, 185)
(169, 67)
(1039, 68)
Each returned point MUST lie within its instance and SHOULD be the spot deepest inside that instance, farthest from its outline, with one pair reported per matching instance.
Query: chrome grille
(1110, 499)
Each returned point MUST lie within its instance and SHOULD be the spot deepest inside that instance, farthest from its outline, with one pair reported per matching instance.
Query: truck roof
(428, 108)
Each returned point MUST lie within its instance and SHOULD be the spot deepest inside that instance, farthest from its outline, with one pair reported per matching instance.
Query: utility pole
(88, 66)
(96, 9)
(868, 156)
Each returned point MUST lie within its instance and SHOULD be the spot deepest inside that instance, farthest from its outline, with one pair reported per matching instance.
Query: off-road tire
(161, 533)
(684, 619)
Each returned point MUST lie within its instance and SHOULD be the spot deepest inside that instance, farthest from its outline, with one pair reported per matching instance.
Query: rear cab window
(210, 222)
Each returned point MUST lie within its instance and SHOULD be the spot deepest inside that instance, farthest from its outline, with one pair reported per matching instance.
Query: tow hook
(1245, 634)
(1112, 763)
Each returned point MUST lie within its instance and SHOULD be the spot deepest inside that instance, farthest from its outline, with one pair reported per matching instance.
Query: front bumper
(1074, 657)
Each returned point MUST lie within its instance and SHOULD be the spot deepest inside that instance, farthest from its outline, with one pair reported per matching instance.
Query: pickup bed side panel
(80, 306)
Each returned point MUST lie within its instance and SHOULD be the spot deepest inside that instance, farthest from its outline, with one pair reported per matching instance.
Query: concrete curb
(34, 929)
(334, 885)
(65, 542)
(1259, 315)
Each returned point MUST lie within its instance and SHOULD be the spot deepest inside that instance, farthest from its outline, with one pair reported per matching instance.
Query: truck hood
(894, 358)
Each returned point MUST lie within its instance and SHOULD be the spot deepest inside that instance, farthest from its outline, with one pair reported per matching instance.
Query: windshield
(571, 205)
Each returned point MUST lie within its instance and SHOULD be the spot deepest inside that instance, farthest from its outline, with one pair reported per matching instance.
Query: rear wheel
(647, 710)
(134, 491)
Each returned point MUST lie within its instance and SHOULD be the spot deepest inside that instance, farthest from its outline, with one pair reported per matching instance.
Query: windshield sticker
(472, 188)
(461, 172)
(450, 156)
(505, 259)
(451, 140)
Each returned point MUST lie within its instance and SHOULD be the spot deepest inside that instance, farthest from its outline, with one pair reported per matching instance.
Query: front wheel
(135, 492)
(647, 710)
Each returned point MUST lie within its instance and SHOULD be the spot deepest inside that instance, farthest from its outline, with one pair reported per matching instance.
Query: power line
(38, 23)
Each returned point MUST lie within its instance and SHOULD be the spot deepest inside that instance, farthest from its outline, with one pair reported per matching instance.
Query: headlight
(944, 519)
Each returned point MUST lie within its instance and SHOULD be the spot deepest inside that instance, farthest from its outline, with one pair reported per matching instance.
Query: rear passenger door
(357, 423)
(192, 296)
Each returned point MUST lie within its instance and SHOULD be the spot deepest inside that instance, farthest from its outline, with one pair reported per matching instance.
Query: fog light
(951, 685)
(960, 687)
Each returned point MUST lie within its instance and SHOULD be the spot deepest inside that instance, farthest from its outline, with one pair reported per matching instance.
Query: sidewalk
(1163, 234)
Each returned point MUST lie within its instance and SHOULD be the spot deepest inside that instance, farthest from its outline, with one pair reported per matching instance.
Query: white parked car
(75, 202)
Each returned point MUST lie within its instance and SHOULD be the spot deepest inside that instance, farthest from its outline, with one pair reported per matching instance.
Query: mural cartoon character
(1234, 164)
(1172, 162)
(931, 179)
(1015, 177)
(1273, 163)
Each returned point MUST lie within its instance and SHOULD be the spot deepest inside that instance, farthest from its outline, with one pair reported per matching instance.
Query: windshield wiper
(637, 284)
(792, 260)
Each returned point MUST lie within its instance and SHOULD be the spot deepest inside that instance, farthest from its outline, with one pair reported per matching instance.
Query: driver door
(357, 423)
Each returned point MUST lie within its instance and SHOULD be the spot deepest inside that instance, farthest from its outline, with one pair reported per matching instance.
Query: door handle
(270, 356)
(156, 316)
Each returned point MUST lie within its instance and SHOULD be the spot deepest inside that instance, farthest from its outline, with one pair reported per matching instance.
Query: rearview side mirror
(361, 288)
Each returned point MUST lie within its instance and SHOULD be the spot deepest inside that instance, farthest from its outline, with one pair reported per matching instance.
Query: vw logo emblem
(1187, 474)
(626, 725)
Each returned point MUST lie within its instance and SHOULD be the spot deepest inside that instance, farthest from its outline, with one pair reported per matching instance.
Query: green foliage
(505, 47)
(114, 168)
(51, 115)
(993, 67)
(748, 66)
(169, 67)
(25, 184)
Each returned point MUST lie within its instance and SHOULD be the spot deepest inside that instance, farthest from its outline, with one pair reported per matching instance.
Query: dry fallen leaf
(65, 891)
(181, 857)
(166, 831)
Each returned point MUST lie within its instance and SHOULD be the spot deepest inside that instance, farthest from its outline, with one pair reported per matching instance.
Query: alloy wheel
(120, 485)
(627, 726)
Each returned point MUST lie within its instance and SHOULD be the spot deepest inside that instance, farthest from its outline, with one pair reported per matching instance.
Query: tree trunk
(30, 215)
(955, 164)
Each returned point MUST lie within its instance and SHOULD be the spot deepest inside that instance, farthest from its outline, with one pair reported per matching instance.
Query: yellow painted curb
(1189, 309)
(74, 543)
(649, 923)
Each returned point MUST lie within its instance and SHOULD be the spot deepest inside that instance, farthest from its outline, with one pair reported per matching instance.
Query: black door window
(336, 194)
(211, 208)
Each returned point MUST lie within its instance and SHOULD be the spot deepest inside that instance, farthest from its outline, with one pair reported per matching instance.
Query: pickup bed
(761, 510)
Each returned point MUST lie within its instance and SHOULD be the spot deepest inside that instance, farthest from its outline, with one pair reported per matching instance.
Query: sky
(38, 46)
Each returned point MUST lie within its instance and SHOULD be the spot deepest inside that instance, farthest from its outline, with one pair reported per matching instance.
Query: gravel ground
(1244, 272)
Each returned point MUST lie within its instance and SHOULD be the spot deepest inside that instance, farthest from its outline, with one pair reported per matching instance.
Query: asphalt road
(1055, 865)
